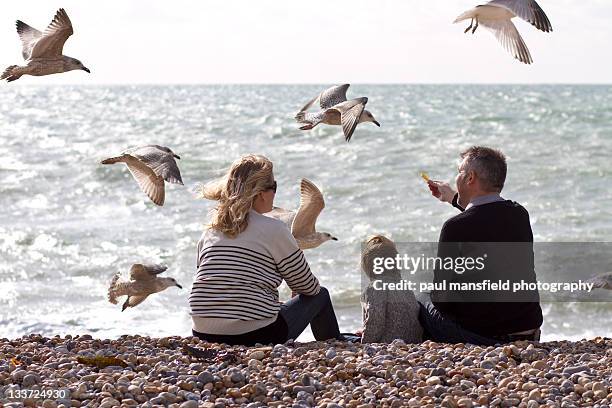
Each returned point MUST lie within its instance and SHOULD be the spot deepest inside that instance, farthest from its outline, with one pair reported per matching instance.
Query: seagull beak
(176, 156)
(179, 286)
(86, 70)
(334, 238)
(376, 123)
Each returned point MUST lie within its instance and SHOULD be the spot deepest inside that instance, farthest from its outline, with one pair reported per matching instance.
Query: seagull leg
(475, 27)
(469, 28)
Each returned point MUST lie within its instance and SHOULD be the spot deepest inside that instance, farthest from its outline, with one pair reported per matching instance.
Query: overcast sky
(314, 41)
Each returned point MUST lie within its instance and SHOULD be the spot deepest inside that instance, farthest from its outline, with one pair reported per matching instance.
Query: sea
(68, 223)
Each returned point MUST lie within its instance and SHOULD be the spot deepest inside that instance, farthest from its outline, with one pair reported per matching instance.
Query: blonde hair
(378, 246)
(248, 176)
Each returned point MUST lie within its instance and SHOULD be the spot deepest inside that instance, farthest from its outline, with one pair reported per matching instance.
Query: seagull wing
(161, 162)
(115, 289)
(150, 183)
(311, 205)
(306, 107)
(28, 36)
(283, 215)
(350, 113)
(154, 269)
(146, 271)
(52, 41)
(333, 96)
(169, 171)
(507, 34)
(602, 281)
(133, 301)
(528, 10)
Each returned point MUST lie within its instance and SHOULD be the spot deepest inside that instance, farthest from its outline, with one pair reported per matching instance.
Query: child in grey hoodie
(387, 314)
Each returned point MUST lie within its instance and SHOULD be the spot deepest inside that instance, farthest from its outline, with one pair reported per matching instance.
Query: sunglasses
(272, 186)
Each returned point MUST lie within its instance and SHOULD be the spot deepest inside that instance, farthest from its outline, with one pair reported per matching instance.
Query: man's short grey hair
(488, 164)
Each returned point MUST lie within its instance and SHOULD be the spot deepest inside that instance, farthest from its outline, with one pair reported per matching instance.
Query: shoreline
(149, 371)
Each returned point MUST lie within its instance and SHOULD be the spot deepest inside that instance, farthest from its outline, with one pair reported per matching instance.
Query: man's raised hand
(441, 190)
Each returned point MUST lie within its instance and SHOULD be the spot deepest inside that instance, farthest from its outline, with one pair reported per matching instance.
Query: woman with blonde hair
(243, 257)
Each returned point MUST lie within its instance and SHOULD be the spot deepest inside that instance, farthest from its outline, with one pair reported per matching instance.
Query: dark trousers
(317, 310)
(294, 316)
(439, 328)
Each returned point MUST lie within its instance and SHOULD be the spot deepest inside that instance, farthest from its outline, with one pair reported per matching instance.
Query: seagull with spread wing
(302, 222)
(336, 110)
(42, 51)
(143, 281)
(497, 17)
(151, 165)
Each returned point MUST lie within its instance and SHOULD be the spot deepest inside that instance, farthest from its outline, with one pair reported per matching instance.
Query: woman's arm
(296, 272)
(291, 263)
(199, 249)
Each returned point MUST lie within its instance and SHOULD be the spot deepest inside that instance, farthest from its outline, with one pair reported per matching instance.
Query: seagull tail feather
(9, 75)
(464, 16)
(112, 289)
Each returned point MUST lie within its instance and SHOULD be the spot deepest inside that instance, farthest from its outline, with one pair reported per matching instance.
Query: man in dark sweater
(496, 230)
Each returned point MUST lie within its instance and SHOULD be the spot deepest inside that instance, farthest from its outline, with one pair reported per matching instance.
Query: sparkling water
(67, 223)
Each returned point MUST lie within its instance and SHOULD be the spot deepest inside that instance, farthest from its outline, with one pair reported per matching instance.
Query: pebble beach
(167, 372)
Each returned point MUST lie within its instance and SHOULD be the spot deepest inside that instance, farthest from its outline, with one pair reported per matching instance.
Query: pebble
(322, 374)
(109, 402)
(510, 402)
(467, 372)
(237, 377)
(599, 386)
(309, 389)
(434, 380)
(567, 371)
(205, 377)
(439, 372)
(29, 380)
(257, 355)
(487, 364)
(535, 395)
(465, 403)
(18, 375)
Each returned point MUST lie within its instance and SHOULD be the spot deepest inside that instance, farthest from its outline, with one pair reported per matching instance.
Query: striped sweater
(236, 285)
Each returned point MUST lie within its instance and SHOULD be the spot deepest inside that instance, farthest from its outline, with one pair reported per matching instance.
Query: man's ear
(471, 177)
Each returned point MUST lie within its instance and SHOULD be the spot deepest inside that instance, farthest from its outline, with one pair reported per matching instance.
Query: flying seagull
(336, 110)
(497, 17)
(602, 281)
(143, 281)
(151, 165)
(42, 51)
(302, 222)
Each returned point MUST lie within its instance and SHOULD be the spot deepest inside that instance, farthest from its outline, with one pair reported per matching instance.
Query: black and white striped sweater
(236, 284)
